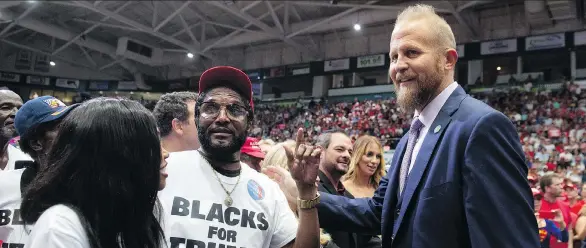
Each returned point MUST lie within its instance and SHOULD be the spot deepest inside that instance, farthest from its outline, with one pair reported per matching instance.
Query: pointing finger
(299, 139)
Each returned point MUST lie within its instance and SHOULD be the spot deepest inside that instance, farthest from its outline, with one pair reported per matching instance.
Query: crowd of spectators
(551, 124)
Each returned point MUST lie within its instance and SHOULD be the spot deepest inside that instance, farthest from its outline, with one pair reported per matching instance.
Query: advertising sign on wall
(276, 72)
(67, 83)
(498, 46)
(99, 85)
(545, 41)
(370, 61)
(337, 65)
(38, 80)
(580, 38)
(9, 77)
(127, 85)
(257, 90)
(299, 69)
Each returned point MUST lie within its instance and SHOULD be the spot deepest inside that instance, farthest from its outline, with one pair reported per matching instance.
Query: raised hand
(558, 218)
(303, 164)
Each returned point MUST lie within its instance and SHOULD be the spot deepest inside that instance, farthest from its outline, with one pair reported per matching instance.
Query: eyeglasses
(210, 110)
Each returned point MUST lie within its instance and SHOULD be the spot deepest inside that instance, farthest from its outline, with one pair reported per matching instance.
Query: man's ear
(451, 59)
(177, 126)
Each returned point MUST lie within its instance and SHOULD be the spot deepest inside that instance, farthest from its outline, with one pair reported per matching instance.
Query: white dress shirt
(427, 116)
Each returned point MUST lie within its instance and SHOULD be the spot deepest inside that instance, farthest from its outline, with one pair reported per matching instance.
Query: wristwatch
(308, 204)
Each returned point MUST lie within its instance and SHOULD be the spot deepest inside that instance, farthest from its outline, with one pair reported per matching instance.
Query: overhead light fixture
(52, 63)
(357, 27)
(498, 68)
(190, 55)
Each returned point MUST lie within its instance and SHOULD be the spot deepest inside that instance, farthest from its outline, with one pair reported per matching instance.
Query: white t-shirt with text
(195, 214)
(12, 229)
(15, 154)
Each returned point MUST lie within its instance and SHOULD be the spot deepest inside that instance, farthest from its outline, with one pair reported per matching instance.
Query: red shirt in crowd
(565, 208)
(577, 207)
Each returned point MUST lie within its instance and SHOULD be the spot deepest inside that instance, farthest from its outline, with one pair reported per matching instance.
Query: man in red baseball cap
(223, 116)
(251, 154)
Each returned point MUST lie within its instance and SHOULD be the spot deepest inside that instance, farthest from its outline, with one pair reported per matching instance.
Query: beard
(412, 97)
(220, 152)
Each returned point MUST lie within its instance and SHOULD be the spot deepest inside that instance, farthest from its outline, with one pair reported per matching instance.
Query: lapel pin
(437, 129)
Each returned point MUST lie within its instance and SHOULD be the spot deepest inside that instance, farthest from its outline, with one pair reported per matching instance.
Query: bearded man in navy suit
(459, 177)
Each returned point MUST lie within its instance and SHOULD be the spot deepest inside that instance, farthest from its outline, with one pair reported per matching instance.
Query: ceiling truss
(168, 24)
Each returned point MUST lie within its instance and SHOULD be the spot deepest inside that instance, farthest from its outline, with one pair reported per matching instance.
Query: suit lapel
(435, 131)
(393, 186)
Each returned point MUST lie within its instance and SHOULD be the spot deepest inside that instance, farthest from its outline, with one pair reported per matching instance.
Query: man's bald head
(4, 92)
(10, 102)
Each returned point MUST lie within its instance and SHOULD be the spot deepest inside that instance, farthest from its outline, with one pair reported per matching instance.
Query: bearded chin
(219, 152)
(416, 97)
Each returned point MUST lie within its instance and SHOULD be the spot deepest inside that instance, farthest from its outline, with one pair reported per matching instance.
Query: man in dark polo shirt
(337, 150)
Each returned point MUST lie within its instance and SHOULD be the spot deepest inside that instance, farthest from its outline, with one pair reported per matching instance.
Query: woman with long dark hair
(99, 188)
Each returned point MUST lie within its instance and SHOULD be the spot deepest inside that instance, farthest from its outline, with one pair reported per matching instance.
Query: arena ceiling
(86, 33)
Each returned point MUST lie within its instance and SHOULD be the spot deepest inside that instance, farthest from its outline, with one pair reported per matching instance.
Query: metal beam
(465, 24)
(471, 4)
(360, 6)
(141, 27)
(58, 58)
(87, 31)
(155, 14)
(175, 13)
(196, 11)
(174, 50)
(250, 6)
(202, 30)
(286, 18)
(233, 27)
(263, 26)
(14, 32)
(66, 35)
(366, 17)
(334, 17)
(111, 64)
(274, 16)
(87, 56)
(230, 35)
(104, 24)
(193, 39)
(295, 13)
(184, 30)
(15, 21)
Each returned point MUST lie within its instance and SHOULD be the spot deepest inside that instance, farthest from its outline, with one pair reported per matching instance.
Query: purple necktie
(413, 135)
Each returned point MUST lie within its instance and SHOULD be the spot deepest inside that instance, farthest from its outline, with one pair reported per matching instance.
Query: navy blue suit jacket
(467, 188)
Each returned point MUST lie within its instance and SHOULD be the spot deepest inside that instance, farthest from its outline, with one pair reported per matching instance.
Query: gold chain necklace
(228, 200)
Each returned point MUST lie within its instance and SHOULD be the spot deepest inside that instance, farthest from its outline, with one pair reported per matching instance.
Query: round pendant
(228, 201)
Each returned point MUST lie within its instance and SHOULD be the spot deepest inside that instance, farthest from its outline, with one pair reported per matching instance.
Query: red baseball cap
(221, 75)
(251, 148)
